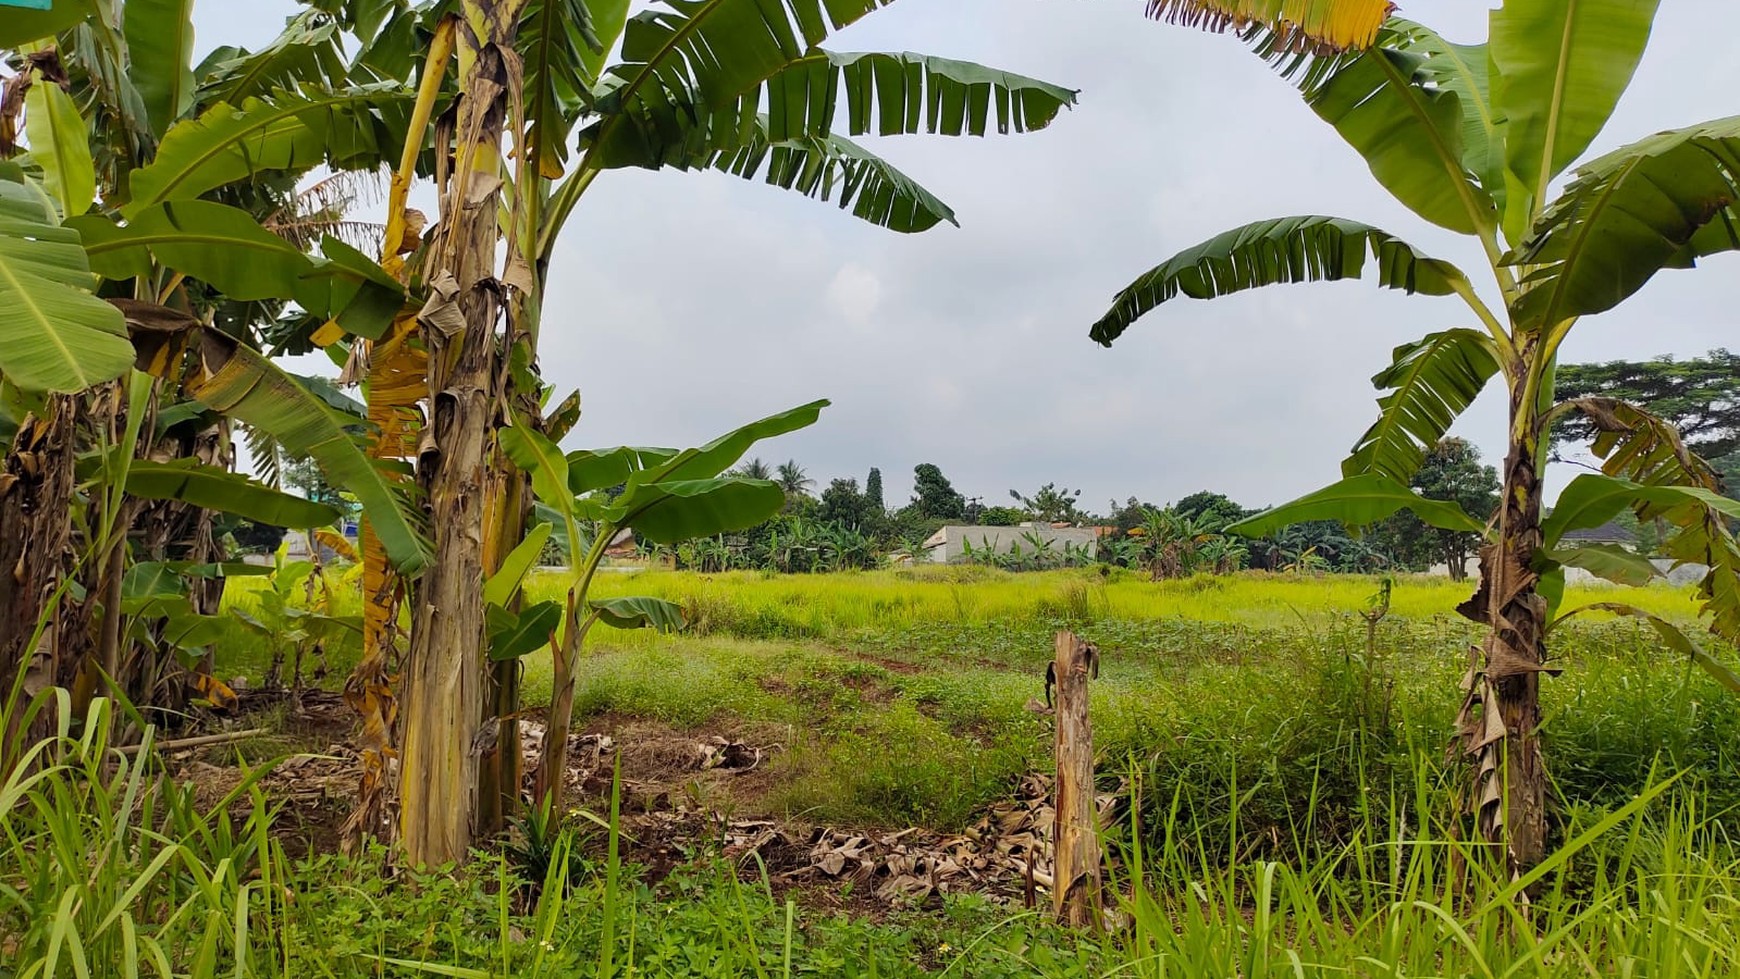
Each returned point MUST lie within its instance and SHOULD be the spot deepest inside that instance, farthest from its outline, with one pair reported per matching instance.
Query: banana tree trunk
(36, 496)
(1501, 715)
(443, 708)
(395, 375)
(170, 530)
(565, 656)
(509, 506)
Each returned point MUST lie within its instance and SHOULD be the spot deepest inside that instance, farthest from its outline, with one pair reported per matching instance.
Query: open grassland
(761, 605)
(757, 605)
(902, 696)
(1288, 807)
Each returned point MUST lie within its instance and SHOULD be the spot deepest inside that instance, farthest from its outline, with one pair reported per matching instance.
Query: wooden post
(1075, 845)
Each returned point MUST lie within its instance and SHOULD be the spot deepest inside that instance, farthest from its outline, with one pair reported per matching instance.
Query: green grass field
(902, 693)
(1294, 814)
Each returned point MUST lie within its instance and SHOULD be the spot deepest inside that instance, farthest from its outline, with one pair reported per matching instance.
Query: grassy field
(1291, 804)
(755, 605)
(900, 695)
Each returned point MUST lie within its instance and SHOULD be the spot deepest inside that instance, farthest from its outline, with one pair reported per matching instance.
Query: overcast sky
(683, 304)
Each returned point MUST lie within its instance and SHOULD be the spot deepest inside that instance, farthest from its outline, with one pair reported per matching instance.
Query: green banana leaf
(226, 492)
(669, 511)
(58, 336)
(1608, 561)
(1560, 69)
(1279, 251)
(639, 613)
(1358, 501)
(204, 240)
(513, 635)
(505, 583)
(20, 26)
(160, 57)
(60, 143)
(1387, 104)
(247, 386)
(289, 132)
(1431, 383)
(1662, 202)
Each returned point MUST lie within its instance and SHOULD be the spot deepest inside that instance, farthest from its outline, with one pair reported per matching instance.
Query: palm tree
(753, 469)
(159, 181)
(792, 479)
(1471, 138)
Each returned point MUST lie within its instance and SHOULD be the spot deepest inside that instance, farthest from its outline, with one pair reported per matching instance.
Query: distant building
(951, 543)
(1608, 533)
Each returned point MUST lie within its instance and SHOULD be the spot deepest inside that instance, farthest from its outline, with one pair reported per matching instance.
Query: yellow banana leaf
(1335, 24)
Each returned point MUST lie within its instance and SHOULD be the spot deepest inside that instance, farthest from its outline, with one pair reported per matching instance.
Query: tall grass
(756, 605)
(109, 870)
(761, 605)
(1637, 891)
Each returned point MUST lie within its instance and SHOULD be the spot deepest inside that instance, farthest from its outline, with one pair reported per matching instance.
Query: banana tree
(732, 85)
(1471, 138)
(668, 496)
(155, 174)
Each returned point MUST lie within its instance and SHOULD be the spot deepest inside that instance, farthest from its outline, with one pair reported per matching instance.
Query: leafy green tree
(1051, 504)
(909, 523)
(1451, 471)
(251, 537)
(1214, 509)
(1003, 516)
(933, 496)
(307, 477)
(753, 469)
(873, 489)
(1129, 516)
(843, 505)
(793, 480)
(1699, 395)
(1472, 138)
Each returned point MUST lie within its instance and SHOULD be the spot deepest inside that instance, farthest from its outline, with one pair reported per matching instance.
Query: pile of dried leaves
(1006, 854)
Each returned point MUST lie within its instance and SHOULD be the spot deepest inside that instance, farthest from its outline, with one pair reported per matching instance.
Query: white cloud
(855, 294)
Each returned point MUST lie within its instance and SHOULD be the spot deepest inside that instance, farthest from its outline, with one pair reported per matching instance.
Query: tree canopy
(1051, 504)
(1699, 395)
(1452, 471)
(934, 496)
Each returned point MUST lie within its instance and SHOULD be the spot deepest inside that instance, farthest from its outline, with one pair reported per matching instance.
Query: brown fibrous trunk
(444, 733)
(36, 493)
(1498, 728)
(1077, 887)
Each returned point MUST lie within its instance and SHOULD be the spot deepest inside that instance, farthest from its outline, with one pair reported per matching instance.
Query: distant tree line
(848, 524)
